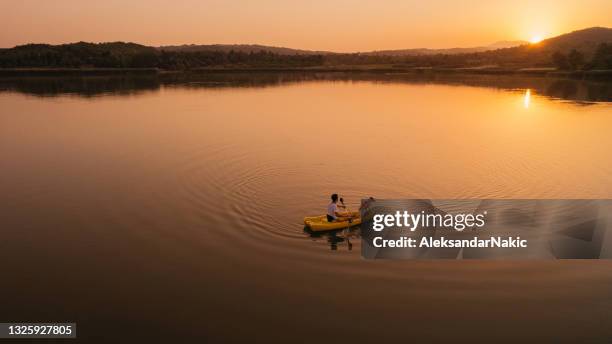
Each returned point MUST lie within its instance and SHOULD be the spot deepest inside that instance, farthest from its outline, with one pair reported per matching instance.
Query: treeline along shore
(584, 53)
(94, 71)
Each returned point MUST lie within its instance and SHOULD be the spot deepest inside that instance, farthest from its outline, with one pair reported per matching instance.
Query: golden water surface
(173, 209)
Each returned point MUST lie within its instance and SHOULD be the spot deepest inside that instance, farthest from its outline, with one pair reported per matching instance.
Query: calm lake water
(171, 208)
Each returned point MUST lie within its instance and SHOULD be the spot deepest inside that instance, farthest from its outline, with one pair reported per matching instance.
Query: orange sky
(338, 25)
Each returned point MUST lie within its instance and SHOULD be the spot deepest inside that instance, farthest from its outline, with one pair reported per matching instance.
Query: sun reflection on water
(527, 98)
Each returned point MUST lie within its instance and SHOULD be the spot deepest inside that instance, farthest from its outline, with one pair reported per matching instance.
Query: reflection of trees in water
(580, 91)
(87, 86)
(564, 89)
(574, 90)
(599, 93)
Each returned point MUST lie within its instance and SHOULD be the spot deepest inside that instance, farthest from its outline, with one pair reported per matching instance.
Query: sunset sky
(337, 25)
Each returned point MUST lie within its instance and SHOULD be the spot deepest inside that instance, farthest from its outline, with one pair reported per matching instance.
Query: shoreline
(544, 72)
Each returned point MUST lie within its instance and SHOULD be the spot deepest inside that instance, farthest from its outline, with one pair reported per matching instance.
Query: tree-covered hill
(81, 54)
(585, 49)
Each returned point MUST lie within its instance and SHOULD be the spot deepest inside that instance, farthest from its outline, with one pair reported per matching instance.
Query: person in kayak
(333, 215)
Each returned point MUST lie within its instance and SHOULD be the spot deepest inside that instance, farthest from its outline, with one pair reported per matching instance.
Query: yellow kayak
(320, 223)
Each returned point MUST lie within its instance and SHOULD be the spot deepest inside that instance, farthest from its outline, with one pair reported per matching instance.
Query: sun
(535, 39)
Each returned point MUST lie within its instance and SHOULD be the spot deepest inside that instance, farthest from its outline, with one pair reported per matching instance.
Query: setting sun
(535, 39)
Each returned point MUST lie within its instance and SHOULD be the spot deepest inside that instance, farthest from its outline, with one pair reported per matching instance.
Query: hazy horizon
(318, 25)
(275, 46)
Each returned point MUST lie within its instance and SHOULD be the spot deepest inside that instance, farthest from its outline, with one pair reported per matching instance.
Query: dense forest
(581, 50)
(131, 55)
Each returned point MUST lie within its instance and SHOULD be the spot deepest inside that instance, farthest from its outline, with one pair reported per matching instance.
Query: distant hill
(505, 44)
(243, 48)
(585, 41)
(583, 49)
(449, 51)
(249, 48)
